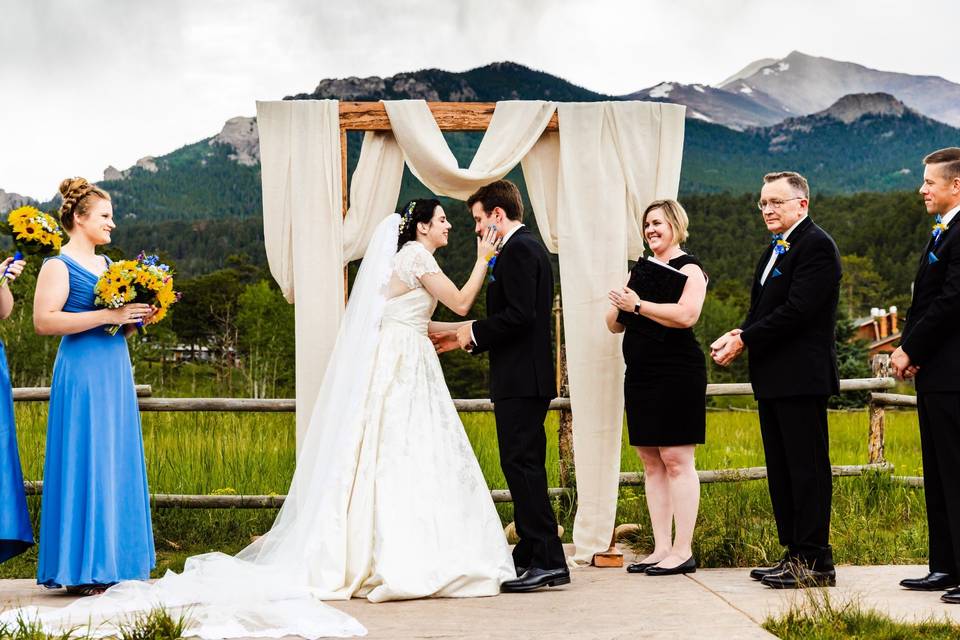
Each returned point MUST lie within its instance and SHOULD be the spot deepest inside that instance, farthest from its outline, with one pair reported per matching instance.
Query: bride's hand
(487, 245)
(444, 341)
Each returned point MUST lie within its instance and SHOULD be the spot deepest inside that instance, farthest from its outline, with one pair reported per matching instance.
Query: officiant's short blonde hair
(675, 216)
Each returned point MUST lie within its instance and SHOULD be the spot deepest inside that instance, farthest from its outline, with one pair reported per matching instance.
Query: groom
(516, 333)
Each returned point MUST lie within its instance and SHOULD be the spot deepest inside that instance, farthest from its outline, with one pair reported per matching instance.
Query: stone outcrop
(9, 201)
(241, 135)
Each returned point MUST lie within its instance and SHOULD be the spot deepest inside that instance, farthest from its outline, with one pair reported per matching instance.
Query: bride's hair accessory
(407, 216)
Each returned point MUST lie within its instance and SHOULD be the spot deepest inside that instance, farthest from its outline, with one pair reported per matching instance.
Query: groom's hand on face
(444, 341)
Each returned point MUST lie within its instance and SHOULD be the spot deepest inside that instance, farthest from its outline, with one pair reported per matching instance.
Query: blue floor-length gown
(95, 516)
(16, 534)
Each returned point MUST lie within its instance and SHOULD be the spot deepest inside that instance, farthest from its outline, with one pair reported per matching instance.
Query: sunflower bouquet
(144, 280)
(33, 232)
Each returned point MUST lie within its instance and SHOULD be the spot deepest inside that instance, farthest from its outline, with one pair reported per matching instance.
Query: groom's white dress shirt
(473, 338)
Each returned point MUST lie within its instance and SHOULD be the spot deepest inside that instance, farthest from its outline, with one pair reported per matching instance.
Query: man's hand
(901, 364)
(464, 338)
(718, 344)
(444, 341)
(727, 347)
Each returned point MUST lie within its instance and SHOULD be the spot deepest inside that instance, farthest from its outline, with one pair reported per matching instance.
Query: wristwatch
(636, 309)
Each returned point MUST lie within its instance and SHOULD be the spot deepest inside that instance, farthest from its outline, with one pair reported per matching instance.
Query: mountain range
(768, 91)
(848, 128)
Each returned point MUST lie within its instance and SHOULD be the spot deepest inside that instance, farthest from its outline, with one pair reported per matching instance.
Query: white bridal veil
(274, 587)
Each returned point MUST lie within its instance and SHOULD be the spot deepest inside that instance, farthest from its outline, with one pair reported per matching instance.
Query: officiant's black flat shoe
(639, 567)
(689, 566)
(535, 578)
(933, 581)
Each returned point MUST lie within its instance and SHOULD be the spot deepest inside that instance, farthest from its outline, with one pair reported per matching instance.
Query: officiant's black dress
(666, 381)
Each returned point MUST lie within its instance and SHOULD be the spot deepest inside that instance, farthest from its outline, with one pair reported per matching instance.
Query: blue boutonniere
(938, 228)
(491, 261)
(780, 246)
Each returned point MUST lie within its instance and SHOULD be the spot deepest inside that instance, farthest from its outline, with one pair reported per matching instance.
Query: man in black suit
(930, 351)
(516, 333)
(790, 334)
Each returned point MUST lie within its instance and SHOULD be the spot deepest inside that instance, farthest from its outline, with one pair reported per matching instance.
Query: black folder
(657, 282)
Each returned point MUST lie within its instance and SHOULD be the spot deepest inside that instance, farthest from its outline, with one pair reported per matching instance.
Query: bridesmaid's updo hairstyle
(78, 195)
(414, 212)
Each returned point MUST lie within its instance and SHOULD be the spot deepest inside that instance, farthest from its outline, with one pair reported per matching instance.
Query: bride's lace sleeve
(412, 262)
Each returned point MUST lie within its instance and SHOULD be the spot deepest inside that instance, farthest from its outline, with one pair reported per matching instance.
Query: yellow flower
(17, 216)
(158, 316)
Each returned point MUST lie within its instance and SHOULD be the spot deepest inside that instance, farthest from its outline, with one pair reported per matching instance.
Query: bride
(387, 501)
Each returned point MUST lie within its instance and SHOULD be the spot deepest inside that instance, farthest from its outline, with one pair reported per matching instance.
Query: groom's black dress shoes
(520, 570)
(933, 581)
(952, 596)
(761, 573)
(688, 566)
(799, 576)
(534, 578)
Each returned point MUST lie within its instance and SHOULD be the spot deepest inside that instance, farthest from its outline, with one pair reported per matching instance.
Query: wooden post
(558, 327)
(565, 428)
(881, 369)
(344, 193)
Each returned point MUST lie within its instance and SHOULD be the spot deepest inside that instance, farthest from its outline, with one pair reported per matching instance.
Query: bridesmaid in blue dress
(95, 526)
(16, 534)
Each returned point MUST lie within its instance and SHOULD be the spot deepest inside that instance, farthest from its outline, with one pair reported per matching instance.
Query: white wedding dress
(387, 501)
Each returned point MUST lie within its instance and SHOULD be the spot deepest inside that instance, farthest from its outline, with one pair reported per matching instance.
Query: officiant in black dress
(665, 383)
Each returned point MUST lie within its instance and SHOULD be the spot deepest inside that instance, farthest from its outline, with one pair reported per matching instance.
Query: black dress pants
(797, 450)
(523, 451)
(939, 415)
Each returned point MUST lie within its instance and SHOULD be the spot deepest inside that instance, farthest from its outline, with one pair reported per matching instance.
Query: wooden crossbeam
(450, 116)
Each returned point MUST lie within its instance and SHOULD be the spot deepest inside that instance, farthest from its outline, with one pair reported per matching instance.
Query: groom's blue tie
(776, 236)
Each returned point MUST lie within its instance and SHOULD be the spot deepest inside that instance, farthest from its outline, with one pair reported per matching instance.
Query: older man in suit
(930, 352)
(790, 335)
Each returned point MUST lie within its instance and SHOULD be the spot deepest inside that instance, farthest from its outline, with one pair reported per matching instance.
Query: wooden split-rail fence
(879, 400)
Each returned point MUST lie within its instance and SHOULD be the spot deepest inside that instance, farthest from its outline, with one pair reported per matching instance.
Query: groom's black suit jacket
(516, 331)
(931, 337)
(791, 326)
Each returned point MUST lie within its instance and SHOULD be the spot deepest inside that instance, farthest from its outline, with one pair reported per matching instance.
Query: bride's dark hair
(419, 210)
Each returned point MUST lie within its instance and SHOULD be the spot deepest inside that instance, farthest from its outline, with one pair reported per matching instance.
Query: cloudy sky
(90, 83)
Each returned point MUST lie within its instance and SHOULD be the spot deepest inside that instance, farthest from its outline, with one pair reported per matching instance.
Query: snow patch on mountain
(662, 90)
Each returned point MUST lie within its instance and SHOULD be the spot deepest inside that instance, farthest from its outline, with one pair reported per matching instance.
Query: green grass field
(874, 521)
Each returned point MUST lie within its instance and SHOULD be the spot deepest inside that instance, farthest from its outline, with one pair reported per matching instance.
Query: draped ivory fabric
(303, 229)
(588, 186)
(514, 128)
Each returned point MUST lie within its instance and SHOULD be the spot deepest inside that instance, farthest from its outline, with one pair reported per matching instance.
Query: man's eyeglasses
(775, 203)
